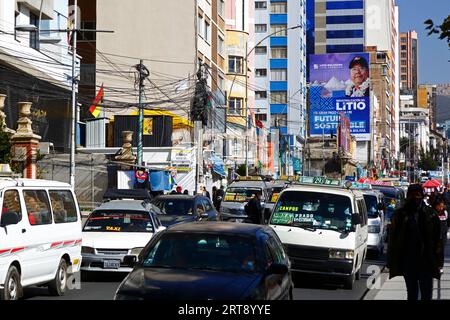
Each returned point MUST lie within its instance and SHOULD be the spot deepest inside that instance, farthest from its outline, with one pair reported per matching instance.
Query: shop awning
(178, 121)
(218, 165)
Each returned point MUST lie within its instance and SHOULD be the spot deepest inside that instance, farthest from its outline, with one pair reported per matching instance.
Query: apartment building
(280, 78)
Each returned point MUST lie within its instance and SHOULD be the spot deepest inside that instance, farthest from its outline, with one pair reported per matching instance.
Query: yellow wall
(422, 98)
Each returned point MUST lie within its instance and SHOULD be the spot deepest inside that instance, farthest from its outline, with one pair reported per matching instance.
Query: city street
(101, 286)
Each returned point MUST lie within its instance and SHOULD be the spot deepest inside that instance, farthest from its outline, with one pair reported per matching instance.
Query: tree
(5, 145)
(443, 30)
(428, 161)
(241, 170)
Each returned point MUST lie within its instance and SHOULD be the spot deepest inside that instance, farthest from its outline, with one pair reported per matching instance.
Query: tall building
(172, 55)
(381, 38)
(427, 98)
(409, 62)
(280, 78)
(335, 26)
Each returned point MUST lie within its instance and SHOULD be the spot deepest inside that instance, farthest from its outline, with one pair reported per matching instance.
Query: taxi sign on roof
(358, 185)
(320, 180)
(249, 178)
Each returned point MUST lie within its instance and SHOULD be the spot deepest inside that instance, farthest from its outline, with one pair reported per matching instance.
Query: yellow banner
(147, 127)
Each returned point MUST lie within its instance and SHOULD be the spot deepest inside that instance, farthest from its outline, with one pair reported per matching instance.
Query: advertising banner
(340, 83)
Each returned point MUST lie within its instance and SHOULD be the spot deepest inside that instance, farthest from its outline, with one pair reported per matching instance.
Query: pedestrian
(205, 192)
(414, 245)
(179, 189)
(253, 209)
(440, 209)
(220, 195)
(214, 194)
(186, 192)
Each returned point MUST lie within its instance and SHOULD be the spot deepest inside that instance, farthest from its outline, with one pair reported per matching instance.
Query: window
(235, 64)
(259, 95)
(38, 207)
(63, 206)
(260, 28)
(277, 251)
(404, 70)
(207, 35)
(404, 78)
(261, 50)
(207, 205)
(403, 39)
(235, 106)
(278, 97)
(404, 55)
(34, 42)
(278, 75)
(403, 47)
(403, 62)
(280, 30)
(220, 46)
(261, 72)
(11, 210)
(200, 25)
(220, 82)
(260, 5)
(278, 7)
(279, 52)
(261, 117)
(87, 36)
(199, 209)
(221, 8)
(278, 120)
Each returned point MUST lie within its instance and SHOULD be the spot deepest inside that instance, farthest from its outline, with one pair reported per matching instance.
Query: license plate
(111, 264)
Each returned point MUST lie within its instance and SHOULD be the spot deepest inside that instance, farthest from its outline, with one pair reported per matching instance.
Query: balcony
(35, 5)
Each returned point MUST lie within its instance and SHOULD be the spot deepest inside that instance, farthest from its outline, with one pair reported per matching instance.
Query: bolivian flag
(95, 107)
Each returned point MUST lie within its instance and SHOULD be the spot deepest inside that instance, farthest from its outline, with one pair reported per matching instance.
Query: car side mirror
(356, 219)
(130, 261)
(278, 268)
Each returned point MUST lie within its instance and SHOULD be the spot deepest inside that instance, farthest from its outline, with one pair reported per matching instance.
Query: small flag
(95, 107)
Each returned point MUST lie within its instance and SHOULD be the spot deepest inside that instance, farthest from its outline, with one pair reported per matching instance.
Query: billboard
(340, 83)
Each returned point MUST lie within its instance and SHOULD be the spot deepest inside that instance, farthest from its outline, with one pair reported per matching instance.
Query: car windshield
(119, 221)
(313, 210)
(174, 207)
(371, 205)
(275, 193)
(240, 194)
(203, 251)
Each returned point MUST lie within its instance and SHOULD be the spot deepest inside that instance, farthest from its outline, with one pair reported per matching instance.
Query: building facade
(36, 66)
(427, 98)
(280, 79)
(409, 63)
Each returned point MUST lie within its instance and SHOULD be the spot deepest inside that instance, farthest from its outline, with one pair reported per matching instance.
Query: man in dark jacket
(220, 195)
(253, 209)
(414, 245)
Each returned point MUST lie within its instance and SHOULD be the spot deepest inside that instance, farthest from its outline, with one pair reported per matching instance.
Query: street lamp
(246, 76)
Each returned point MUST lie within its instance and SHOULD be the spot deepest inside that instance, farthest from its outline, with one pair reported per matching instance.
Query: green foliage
(429, 161)
(404, 143)
(443, 30)
(5, 145)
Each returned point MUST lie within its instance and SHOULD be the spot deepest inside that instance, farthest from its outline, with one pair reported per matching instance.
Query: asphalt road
(102, 286)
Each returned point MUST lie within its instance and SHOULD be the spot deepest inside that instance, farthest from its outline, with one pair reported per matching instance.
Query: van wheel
(13, 287)
(349, 281)
(57, 287)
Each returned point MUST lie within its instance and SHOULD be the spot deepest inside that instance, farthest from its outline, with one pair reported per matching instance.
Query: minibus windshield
(118, 221)
(313, 210)
(240, 194)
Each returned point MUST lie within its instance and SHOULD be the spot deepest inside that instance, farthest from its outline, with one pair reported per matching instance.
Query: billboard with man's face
(340, 83)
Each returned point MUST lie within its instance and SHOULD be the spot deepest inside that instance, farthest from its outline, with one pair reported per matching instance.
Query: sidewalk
(395, 289)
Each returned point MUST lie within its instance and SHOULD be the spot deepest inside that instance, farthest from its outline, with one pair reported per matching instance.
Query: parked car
(184, 208)
(210, 261)
(377, 222)
(40, 236)
(116, 229)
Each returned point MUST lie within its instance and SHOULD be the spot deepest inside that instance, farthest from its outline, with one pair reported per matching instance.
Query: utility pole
(246, 109)
(74, 99)
(143, 74)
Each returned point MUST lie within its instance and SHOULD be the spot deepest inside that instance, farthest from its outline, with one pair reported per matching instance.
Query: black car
(184, 208)
(210, 261)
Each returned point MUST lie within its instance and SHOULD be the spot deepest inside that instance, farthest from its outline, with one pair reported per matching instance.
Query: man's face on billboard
(359, 74)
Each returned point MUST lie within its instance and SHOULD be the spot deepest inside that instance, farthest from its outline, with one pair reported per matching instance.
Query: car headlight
(374, 228)
(136, 251)
(89, 250)
(341, 254)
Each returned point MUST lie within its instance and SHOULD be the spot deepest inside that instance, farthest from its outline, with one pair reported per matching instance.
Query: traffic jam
(257, 240)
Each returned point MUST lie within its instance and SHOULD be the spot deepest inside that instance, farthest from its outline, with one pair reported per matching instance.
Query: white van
(324, 229)
(40, 236)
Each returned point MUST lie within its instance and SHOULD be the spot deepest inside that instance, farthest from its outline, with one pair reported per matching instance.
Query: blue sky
(434, 54)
